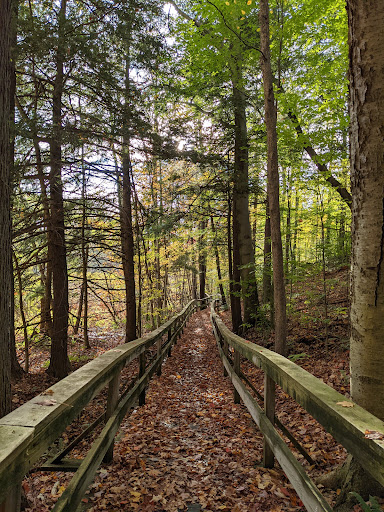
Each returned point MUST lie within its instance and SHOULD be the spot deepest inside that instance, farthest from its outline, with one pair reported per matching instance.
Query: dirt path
(190, 445)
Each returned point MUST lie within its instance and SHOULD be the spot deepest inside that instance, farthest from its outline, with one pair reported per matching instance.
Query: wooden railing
(348, 425)
(27, 432)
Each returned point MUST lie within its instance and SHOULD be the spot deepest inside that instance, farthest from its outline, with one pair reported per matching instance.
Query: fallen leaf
(48, 392)
(48, 403)
(285, 491)
(345, 404)
(373, 434)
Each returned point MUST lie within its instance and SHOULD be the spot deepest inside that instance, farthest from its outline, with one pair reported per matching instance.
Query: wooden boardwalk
(189, 447)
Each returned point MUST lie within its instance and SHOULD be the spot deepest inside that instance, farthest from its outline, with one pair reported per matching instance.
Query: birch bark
(366, 75)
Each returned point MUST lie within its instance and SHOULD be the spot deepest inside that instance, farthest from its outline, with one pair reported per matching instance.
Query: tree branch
(316, 159)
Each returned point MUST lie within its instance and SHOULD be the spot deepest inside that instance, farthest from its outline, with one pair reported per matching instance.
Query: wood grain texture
(346, 424)
(29, 430)
(304, 486)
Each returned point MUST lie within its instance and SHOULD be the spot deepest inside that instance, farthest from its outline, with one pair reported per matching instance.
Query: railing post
(142, 364)
(113, 398)
(225, 350)
(236, 367)
(169, 339)
(269, 409)
(158, 345)
(12, 502)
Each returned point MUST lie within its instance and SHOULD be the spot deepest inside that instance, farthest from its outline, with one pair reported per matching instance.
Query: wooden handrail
(347, 425)
(27, 432)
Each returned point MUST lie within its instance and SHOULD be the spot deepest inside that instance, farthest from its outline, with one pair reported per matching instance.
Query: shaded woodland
(157, 152)
(136, 187)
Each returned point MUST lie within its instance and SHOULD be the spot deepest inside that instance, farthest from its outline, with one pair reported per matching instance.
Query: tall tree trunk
(194, 276)
(241, 223)
(84, 256)
(139, 269)
(218, 266)
(233, 271)
(76, 327)
(22, 313)
(5, 199)
(295, 256)
(16, 369)
(127, 239)
(46, 325)
(254, 225)
(288, 244)
(273, 183)
(59, 363)
(366, 75)
(127, 245)
(267, 266)
(202, 258)
(126, 223)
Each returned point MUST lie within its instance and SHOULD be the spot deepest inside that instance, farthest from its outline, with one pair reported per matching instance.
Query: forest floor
(190, 444)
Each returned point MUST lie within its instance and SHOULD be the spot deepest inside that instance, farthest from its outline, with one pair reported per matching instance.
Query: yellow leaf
(345, 404)
(226, 3)
(242, 12)
(249, 2)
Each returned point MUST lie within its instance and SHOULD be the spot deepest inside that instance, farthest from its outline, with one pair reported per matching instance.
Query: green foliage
(371, 506)
(298, 357)
(181, 130)
(78, 358)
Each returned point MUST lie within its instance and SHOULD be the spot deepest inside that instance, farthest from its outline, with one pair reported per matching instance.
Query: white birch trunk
(366, 42)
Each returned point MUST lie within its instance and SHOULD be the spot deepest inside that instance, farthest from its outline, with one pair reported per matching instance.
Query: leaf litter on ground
(190, 444)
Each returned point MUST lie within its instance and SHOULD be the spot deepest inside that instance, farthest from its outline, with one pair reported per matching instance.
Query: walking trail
(190, 447)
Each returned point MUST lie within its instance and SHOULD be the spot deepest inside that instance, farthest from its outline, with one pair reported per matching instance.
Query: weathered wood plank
(269, 409)
(77, 440)
(304, 486)
(142, 361)
(12, 502)
(280, 425)
(236, 367)
(72, 496)
(47, 415)
(14, 443)
(346, 424)
(68, 465)
(112, 400)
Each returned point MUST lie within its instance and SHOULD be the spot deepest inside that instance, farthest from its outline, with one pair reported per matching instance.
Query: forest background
(140, 141)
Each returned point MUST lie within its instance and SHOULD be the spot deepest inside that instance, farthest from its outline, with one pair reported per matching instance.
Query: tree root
(350, 477)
